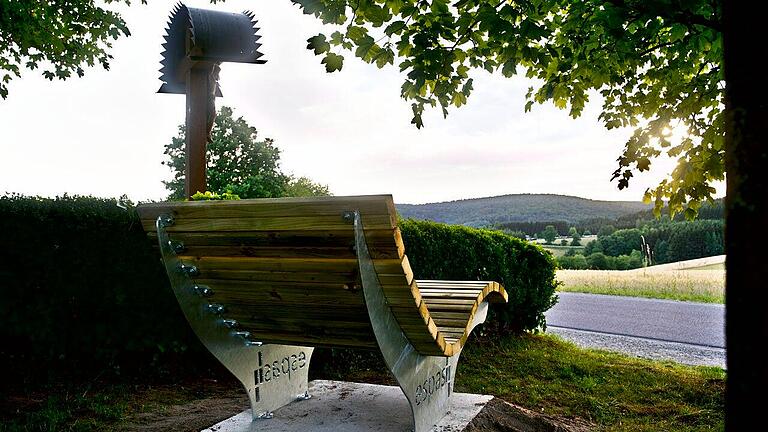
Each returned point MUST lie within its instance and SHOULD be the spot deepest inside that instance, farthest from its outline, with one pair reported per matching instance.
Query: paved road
(683, 331)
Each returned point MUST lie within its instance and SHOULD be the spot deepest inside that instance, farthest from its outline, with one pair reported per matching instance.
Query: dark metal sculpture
(197, 41)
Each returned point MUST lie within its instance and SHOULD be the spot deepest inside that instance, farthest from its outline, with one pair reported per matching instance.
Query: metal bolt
(251, 343)
(203, 290)
(303, 397)
(242, 334)
(164, 220)
(189, 270)
(215, 308)
(178, 247)
(348, 216)
(266, 415)
(229, 323)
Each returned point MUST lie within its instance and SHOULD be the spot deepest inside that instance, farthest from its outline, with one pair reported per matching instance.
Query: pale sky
(104, 134)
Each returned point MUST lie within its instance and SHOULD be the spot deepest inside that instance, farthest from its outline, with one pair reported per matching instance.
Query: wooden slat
(298, 313)
(335, 237)
(308, 294)
(268, 275)
(270, 252)
(287, 223)
(285, 252)
(312, 265)
(275, 207)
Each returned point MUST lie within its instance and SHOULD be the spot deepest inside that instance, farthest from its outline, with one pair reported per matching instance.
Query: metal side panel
(427, 381)
(273, 375)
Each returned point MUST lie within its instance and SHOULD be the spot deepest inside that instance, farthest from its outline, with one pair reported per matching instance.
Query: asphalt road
(697, 324)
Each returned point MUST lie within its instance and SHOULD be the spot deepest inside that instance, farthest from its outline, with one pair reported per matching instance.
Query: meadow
(706, 286)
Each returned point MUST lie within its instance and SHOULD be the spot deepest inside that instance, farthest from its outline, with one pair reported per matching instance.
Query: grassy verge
(539, 372)
(707, 286)
(617, 392)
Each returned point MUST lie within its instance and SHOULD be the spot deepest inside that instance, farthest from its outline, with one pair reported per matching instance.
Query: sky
(104, 134)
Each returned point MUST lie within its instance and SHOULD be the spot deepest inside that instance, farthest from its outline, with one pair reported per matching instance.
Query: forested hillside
(490, 211)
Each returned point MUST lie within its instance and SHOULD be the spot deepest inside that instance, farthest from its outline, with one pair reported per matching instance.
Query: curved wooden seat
(287, 272)
(263, 282)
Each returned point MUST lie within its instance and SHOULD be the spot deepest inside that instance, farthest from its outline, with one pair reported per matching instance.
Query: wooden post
(198, 92)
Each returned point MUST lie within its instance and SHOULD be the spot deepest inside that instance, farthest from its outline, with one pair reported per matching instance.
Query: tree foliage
(238, 163)
(549, 234)
(59, 36)
(305, 187)
(656, 64)
(667, 241)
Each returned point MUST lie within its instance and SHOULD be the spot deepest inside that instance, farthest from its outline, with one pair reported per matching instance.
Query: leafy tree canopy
(549, 234)
(238, 163)
(656, 63)
(58, 36)
(304, 187)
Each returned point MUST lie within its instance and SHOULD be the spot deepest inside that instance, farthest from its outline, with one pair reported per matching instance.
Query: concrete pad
(339, 406)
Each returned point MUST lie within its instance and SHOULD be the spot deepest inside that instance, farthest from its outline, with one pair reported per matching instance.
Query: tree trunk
(746, 296)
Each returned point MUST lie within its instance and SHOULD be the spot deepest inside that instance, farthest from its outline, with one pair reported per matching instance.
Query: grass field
(616, 392)
(706, 286)
(539, 372)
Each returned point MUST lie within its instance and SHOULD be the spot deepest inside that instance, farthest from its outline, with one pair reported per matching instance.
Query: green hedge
(83, 289)
(453, 252)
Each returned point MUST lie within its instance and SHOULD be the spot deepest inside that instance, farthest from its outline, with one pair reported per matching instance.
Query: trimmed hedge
(83, 288)
(454, 252)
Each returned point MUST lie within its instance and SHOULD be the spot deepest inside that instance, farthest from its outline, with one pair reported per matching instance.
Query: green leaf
(677, 32)
(366, 48)
(333, 62)
(318, 44)
(384, 56)
(395, 28)
(356, 33)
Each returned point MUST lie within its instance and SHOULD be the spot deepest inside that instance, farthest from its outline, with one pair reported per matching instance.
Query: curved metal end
(348, 216)
(303, 397)
(251, 343)
(174, 50)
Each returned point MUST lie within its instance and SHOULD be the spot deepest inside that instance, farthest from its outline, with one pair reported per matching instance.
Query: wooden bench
(262, 282)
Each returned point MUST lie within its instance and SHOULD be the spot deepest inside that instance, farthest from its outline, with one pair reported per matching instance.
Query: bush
(573, 262)
(452, 252)
(83, 290)
(597, 261)
(593, 247)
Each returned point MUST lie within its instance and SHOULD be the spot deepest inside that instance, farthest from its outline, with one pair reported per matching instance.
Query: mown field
(707, 286)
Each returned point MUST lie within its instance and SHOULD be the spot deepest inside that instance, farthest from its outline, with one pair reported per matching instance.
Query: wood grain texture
(287, 271)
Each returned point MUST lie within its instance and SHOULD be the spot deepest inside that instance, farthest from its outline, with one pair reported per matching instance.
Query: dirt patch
(189, 417)
(497, 416)
(501, 416)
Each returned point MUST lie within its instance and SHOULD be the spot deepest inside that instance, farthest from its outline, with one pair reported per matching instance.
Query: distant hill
(481, 212)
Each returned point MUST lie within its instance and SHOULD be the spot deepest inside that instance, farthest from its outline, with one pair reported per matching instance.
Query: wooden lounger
(263, 282)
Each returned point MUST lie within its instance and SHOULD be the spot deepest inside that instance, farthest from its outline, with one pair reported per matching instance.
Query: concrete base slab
(339, 406)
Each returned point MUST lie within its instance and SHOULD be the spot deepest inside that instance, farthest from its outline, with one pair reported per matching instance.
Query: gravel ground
(647, 348)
